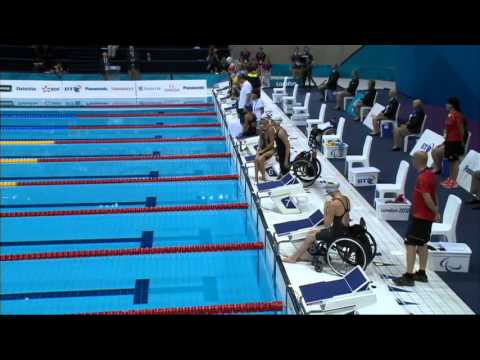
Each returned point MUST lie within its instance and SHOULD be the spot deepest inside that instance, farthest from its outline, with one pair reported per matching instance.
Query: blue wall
(432, 73)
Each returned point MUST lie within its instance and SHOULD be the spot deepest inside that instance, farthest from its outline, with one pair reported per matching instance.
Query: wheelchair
(357, 248)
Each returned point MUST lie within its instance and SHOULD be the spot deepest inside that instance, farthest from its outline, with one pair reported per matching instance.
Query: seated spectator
(454, 145)
(475, 190)
(257, 103)
(336, 224)
(332, 82)
(388, 113)
(244, 56)
(249, 127)
(266, 149)
(350, 91)
(412, 126)
(367, 100)
(59, 70)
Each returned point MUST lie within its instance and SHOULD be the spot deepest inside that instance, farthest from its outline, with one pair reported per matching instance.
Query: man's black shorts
(418, 233)
(453, 150)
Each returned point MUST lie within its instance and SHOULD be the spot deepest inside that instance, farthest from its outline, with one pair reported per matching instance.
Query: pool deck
(433, 298)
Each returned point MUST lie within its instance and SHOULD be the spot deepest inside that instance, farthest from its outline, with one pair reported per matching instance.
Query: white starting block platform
(392, 211)
(449, 257)
(363, 176)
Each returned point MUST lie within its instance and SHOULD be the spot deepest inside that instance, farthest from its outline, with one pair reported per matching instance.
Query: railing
(281, 283)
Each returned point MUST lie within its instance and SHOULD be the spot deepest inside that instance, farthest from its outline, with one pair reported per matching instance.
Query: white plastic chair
(448, 228)
(394, 122)
(290, 101)
(363, 159)
(299, 110)
(339, 133)
(399, 187)
(283, 89)
(467, 143)
(320, 120)
(414, 136)
(364, 110)
(346, 99)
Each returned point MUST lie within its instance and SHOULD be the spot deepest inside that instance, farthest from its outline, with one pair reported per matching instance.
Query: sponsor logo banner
(5, 88)
(172, 89)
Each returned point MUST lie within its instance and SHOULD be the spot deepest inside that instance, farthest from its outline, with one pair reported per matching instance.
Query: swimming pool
(158, 218)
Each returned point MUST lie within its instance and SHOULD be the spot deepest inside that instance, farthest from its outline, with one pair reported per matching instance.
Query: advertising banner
(427, 143)
(97, 90)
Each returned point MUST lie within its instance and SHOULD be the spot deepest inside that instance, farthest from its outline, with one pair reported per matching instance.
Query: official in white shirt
(244, 100)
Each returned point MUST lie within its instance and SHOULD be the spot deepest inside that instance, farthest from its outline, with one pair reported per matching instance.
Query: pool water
(122, 283)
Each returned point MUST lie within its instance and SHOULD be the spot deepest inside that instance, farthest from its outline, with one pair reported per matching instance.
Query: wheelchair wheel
(373, 246)
(306, 171)
(344, 254)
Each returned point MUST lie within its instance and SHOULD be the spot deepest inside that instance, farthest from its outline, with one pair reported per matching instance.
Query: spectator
(244, 99)
(296, 64)
(367, 100)
(257, 103)
(336, 224)
(105, 66)
(213, 60)
(266, 149)
(454, 146)
(332, 82)
(475, 190)
(59, 70)
(245, 56)
(132, 57)
(282, 145)
(425, 213)
(412, 126)
(388, 113)
(307, 61)
(249, 127)
(350, 91)
(266, 72)
(260, 56)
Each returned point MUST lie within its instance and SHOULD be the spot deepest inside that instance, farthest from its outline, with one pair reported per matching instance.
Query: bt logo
(369, 180)
(76, 89)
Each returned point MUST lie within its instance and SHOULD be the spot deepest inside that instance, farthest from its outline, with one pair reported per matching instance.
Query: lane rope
(258, 307)
(110, 127)
(212, 113)
(162, 209)
(122, 181)
(134, 252)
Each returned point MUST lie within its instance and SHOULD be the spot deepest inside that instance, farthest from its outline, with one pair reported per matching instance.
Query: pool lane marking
(113, 158)
(162, 209)
(149, 202)
(139, 292)
(205, 248)
(109, 127)
(126, 115)
(157, 139)
(110, 181)
(145, 241)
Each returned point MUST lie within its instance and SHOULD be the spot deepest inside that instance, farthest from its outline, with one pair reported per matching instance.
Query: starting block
(342, 296)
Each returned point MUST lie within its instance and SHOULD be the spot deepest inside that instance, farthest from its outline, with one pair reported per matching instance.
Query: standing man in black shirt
(412, 126)
(332, 82)
(296, 64)
(388, 114)
(349, 91)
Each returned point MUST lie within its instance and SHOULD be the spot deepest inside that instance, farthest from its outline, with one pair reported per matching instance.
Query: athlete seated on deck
(266, 148)
(336, 224)
(249, 127)
(283, 147)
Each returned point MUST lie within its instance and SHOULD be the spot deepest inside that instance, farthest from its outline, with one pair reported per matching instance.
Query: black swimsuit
(282, 153)
(338, 228)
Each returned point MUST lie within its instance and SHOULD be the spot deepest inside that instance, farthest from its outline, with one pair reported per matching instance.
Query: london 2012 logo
(5, 88)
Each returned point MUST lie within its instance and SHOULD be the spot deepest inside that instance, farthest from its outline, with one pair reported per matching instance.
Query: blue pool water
(72, 286)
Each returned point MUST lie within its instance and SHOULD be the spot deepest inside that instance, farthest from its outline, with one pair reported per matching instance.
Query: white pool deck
(433, 298)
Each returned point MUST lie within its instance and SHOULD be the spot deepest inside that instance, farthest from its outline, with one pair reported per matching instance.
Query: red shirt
(453, 121)
(426, 183)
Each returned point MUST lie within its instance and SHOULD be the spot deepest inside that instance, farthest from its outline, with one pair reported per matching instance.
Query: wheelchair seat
(356, 248)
